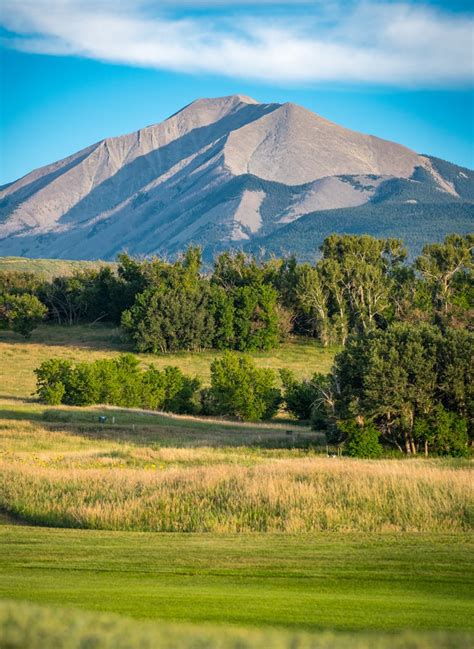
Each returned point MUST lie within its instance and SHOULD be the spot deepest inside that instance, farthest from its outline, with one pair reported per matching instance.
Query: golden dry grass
(55, 478)
(153, 472)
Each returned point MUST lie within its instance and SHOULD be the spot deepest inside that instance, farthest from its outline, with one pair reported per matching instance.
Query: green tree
(222, 310)
(390, 377)
(256, 321)
(443, 264)
(443, 432)
(21, 313)
(174, 312)
(456, 373)
(361, 440)
(358, 271)
(312, 302)
(240, 389)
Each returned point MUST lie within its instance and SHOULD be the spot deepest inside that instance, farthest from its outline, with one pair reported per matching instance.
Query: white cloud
(361, 42)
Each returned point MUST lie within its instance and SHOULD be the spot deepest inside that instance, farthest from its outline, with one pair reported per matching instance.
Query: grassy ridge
(49, 268)
(313, 582)
(24, 625)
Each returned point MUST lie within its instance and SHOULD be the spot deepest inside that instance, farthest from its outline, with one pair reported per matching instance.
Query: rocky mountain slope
(231, 172)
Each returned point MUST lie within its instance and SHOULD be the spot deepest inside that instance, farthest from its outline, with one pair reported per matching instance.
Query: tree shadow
(139, 429)
(97, 337)
(9, 397)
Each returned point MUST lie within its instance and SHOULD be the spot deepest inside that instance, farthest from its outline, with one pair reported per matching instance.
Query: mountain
(231, 172)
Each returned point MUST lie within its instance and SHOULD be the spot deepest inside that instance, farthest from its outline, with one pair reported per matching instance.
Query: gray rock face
(220, 172)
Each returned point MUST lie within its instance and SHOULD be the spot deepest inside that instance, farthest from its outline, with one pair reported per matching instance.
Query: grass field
(349, 582)
(168, 532)
(152, 472)
(48, 268)
(18, 358)
(29, 625)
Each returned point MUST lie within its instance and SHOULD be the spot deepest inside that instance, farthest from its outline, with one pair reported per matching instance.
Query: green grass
(19, 357)
(276, 590)
(48, 268)
(29, 626)
(343, 582)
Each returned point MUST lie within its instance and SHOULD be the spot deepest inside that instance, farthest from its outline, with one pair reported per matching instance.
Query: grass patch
(49, 268)
(31, 423)
(18, 358)
(63, 469)
(24, 625)
(312, 582)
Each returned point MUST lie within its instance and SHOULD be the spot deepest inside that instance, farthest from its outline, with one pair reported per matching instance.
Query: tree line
(238, 388)
(403, 379)
(359, 284)
(407, 387)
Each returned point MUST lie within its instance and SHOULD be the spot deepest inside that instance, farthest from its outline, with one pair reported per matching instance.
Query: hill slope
(221, 172)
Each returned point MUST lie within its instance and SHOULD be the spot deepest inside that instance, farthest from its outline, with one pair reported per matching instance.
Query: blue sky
(76, 71)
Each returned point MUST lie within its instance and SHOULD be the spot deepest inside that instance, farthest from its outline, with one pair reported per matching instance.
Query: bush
(21, 313)
(51, 379)
(299, 396)
(444, 432)
(361, 440)
(240, 389)
(118, 382)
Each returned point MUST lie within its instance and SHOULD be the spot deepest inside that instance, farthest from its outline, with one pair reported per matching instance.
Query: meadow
(19, 357)
(155, 478)
(49, 268)
(156, 530)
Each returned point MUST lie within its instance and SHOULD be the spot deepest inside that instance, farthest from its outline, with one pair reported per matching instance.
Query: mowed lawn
(343, 582)
(20, 357)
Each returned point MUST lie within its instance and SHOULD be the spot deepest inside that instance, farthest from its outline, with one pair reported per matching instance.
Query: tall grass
(275, 494)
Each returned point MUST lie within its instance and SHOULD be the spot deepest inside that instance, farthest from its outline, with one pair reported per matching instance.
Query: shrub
(444, 432)
(118, 382)
(51, 379)
(361, 440)
(181, 392)
(299, 396)
(240, 389)
(21, 313)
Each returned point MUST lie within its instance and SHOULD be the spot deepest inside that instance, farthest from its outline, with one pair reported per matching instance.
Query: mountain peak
(226, 99)
(221, 169)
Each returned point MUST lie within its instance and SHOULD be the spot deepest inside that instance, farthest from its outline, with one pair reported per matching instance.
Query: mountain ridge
(220, 173)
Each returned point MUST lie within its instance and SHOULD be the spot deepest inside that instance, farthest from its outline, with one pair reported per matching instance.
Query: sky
(73, 72)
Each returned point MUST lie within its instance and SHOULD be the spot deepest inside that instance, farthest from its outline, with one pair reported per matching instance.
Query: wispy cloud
(368, 42)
